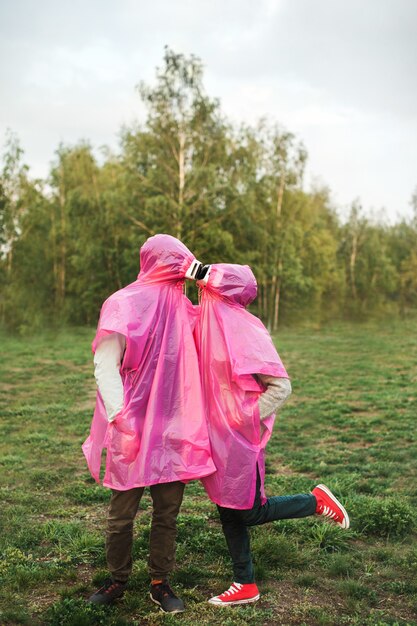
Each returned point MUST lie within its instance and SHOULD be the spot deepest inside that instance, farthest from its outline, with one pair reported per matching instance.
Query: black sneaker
(110, 591)
(162, 594)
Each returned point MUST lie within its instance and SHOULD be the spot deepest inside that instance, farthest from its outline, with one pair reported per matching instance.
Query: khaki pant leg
(119, 537)
(167, 499)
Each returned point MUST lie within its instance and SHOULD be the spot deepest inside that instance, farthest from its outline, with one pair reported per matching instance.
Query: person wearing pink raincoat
(244, 383)
(149, 414)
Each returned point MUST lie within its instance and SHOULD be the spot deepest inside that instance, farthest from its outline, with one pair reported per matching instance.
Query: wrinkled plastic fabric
(233, 345)
(161, 433)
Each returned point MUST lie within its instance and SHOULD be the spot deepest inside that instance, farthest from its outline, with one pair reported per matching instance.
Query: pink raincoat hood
(161, 434)
(236, 284)
(164, 259)
(233, 346)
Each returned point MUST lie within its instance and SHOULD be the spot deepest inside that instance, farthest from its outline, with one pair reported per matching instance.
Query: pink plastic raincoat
(233, 345)
(160, 435)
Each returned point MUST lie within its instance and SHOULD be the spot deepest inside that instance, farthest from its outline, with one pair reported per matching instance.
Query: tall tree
(13, 180)
(280, 173)
(177, 163)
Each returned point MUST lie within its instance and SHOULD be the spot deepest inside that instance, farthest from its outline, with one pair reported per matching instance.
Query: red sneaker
(329, 506)
(237, 593)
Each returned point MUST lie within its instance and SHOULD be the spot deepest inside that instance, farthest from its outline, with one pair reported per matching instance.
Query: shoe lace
(327, 511)
(109, 585)
(234, 588)
(166, 590)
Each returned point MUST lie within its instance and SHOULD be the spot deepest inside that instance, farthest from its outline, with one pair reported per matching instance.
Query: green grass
(350, 423)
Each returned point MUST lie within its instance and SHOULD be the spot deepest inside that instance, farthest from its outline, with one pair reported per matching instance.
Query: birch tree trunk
(352, 262)
(275, 292)
(61, 274)
(181, 185)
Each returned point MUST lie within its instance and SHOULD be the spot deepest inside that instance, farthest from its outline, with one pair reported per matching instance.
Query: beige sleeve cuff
(277, 392)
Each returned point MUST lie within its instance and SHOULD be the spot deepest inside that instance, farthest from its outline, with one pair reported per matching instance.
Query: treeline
(231, 193)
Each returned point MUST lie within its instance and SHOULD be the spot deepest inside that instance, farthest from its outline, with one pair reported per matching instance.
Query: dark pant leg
(238, 542)
(119, 536)
(278, 507)
(235, 523)
(167, 499)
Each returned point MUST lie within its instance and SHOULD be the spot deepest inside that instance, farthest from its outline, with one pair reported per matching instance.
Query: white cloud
(64, 68)
(340, 75)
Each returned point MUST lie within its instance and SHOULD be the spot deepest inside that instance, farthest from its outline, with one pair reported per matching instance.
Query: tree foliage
(231, 193)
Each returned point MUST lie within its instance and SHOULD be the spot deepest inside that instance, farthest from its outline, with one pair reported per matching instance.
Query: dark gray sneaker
(163, 595)
(110, 591)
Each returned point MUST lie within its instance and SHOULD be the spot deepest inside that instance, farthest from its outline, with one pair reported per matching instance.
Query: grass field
(351, 423)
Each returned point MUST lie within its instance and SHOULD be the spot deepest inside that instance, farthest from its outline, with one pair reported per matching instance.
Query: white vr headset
(198, 271)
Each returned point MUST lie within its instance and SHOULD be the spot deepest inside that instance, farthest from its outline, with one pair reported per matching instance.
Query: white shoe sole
(218, 602)
(163, 610)
(346, 522)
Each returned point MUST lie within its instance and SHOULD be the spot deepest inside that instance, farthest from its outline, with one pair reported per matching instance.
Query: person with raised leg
(244, 385)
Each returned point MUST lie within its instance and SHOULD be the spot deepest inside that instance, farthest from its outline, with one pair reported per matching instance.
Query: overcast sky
(341, 75)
